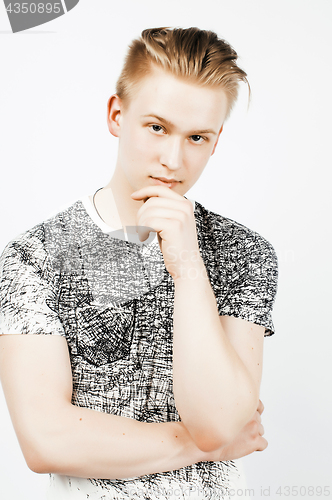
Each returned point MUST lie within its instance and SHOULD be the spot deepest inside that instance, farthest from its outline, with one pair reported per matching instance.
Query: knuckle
(254, 426)
(262, 444)
(183, 217)
(189, 206)
(178, 223)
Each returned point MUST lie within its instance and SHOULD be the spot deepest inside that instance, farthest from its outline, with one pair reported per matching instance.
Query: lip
(163, 181)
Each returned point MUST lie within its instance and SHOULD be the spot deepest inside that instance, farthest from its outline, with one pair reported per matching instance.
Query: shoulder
(33, 246)
(242, 266)
(217, 232)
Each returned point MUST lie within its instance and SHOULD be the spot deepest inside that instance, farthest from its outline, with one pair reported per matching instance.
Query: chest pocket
(104, 335)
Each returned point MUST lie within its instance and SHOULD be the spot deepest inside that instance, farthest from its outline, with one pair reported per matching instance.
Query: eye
(157, 128)
(197, 139)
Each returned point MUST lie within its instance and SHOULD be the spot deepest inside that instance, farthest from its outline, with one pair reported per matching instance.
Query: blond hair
(196, 55)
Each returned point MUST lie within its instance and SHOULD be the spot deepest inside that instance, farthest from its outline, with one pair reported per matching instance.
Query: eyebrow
(170, 124)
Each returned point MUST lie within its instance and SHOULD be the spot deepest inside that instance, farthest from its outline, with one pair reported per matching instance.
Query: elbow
(212, 434)
(208, 442)
(45, 446)
(38, 461)
(44, 461)
(38, 466)
(40, 451)
(208, 437)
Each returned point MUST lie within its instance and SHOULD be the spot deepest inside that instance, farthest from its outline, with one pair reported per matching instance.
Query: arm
(217, 365)
(249, 439)
(217, 361)
(56, 436)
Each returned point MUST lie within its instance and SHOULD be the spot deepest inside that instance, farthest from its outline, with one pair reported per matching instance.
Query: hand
(172, 217)
(250, 439)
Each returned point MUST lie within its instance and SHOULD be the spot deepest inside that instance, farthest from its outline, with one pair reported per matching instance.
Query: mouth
(163, 181)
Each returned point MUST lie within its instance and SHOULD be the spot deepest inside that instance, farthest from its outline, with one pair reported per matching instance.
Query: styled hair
(196, 55)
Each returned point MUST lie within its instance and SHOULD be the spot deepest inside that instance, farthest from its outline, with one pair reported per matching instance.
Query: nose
(172, 153)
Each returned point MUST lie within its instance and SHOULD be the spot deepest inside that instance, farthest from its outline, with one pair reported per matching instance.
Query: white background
(271, 172)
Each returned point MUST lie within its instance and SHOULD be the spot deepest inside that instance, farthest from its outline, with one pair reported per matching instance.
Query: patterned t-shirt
(112, 298)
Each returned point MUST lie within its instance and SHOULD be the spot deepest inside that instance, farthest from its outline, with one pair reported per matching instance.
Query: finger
(262, 444)
(150, 191)
(144, 232)
(258, 417)
(155, 219)
(157, 224)
(260, 407)
(261, 429)
(165, 204)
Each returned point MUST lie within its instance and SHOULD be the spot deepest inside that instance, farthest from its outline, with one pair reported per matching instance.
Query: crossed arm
(56, 436)
(217, 372)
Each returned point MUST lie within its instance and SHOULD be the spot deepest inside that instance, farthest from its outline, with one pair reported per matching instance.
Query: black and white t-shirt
(112, 298)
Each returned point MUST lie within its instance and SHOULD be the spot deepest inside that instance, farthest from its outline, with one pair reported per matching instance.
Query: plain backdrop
(271, 172)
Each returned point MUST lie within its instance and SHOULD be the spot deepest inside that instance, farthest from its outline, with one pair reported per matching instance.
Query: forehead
(180, 101)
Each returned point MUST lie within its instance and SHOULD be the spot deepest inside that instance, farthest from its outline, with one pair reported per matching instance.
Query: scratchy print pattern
(113, 301)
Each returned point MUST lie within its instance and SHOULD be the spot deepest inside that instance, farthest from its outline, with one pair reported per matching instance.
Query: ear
(114, 108)
(215, 145)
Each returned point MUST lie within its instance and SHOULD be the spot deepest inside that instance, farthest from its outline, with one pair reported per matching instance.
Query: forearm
(86, 443)
(56, 436)
(214, 392)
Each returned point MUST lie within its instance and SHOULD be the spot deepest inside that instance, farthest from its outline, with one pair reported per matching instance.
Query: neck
(115, 205)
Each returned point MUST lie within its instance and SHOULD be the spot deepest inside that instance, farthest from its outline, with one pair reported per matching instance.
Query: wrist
(190, 271)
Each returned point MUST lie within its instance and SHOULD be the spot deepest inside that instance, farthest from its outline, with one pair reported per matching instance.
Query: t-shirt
(112, 298)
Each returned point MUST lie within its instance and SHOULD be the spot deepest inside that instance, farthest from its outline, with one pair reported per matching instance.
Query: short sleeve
(27, 290)
(252, 281)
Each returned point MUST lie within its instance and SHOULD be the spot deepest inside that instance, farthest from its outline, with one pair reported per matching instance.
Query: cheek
(140, 143)
(198, 159)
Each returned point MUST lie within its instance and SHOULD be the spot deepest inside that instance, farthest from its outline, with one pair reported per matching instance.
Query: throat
(112, 210)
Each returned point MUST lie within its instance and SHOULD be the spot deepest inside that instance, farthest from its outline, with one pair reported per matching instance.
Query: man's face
(168, 131)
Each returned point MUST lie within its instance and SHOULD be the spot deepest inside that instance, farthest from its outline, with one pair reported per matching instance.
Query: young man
(148, 310)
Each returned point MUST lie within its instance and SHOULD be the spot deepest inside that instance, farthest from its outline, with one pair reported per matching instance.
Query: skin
(175, 145)
(169, 129)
